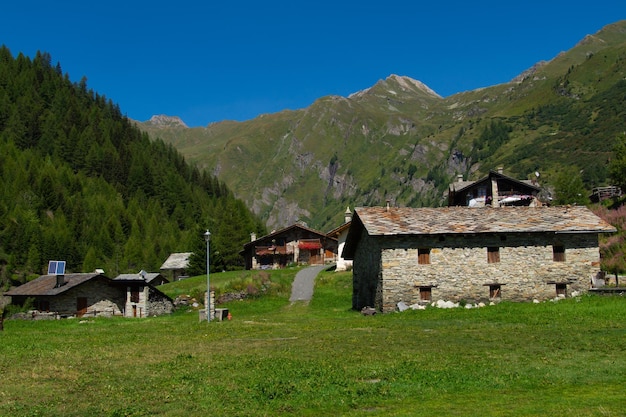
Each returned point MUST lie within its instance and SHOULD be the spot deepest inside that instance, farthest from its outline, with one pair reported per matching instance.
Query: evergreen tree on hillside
(81, 183)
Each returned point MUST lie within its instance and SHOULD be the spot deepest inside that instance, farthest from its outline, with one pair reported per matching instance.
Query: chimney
(347, 215)
(500, 169)
(252, 237)
(388, 201)
(459, 178)
(60, 281)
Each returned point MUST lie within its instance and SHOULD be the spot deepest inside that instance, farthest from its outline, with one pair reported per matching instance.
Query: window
(134, 295)
(561, 289)
(42, 305)
(495, 291)
(493, 254)
(558, 253)
(426, 293)
(423, 256)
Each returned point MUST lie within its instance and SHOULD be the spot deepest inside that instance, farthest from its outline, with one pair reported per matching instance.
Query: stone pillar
(494, 193)
(210, 305)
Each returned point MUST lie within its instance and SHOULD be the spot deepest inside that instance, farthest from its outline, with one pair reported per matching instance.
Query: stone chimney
(459, 178)
(500, 169)
(388, 206)
(252, 237)
(60, 281)
(347, 215)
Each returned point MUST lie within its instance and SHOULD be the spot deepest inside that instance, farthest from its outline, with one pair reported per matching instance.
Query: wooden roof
(293, 227)
(460, 186)
(47, 284)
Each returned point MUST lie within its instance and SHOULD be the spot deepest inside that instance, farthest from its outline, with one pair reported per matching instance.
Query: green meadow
(565, 358)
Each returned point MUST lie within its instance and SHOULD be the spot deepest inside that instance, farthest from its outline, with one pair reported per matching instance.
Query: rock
(402, 306)
(446, 304)
(368, 311)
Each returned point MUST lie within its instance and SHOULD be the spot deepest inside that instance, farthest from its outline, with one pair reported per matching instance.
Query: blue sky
(208, 61)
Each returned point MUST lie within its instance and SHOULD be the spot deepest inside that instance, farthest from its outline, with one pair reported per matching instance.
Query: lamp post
(207, 237)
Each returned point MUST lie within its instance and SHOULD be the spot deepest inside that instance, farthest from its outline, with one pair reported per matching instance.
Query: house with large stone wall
(421, 255)
(91, 294)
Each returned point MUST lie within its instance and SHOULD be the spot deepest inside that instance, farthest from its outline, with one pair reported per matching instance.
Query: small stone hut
(91, 294)
(421, 255)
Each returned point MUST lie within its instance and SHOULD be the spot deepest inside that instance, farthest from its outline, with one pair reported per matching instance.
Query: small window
(134, 295)
(426, 293)
(495, 291)
(423, 256)
(561, 289)
(558, 253)
(493, 254)
(42, 305)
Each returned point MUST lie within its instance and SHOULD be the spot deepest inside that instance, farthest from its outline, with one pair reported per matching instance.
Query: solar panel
(56, 267)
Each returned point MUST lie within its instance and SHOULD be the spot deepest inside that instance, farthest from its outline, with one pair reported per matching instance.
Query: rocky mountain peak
(396, 84)
(162, 120)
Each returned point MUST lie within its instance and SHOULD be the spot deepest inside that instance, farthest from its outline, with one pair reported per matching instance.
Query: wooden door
(81, 306)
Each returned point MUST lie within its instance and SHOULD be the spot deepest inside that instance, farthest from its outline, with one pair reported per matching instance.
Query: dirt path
(302, 287)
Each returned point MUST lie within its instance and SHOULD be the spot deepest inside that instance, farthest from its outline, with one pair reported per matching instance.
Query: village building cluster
(497, 240)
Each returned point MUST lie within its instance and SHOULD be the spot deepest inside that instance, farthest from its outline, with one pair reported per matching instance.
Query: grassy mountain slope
(399, 141)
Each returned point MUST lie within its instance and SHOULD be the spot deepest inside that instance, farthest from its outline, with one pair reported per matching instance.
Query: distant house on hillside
(92, 294)
(495, 189)
(295, 244)
(341, 233)
(421, 255)
(176, 264)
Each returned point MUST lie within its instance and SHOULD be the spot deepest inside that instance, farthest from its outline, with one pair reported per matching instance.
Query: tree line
(81, 183)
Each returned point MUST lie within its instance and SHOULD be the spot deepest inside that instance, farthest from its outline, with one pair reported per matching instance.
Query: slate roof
(46, 284)
(146, 276)
(177, 261)
(379, 221)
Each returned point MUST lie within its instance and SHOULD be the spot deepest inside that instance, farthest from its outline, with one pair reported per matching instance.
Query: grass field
(322, 359)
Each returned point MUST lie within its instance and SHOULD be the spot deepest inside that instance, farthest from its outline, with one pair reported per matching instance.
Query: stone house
(91, 294)
(141, 298)
(421, 255)
(495, 189)
(176, 264)
(295, 244)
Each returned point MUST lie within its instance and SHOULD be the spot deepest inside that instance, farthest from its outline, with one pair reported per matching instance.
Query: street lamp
(207, 237)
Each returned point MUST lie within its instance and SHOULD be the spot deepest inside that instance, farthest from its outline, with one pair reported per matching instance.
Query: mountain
(400, 141)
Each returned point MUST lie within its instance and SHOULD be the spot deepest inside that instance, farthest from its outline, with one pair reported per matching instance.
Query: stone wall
(459, 268)
(150, 302)
(366, 274)
(102, 299)
(158, 304)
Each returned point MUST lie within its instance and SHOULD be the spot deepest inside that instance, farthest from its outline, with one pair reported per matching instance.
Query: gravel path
(302, 287)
